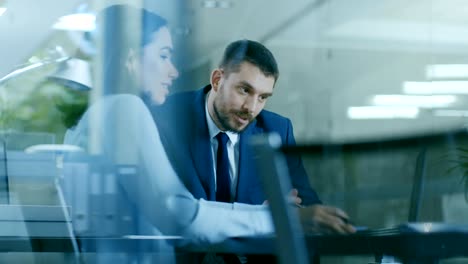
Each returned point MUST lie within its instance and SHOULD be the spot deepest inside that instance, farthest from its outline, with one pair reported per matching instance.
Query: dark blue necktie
(223, 180)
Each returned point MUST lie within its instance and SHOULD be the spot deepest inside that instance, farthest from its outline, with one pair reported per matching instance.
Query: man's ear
(216, 78)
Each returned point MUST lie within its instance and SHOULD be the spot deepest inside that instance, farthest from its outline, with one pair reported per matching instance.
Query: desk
(427, 247)
(411, 247)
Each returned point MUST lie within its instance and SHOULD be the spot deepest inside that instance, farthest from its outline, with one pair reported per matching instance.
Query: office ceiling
(25, 26)
(366, 24)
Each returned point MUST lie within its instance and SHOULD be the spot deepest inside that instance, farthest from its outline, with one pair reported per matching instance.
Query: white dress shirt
(232, 150)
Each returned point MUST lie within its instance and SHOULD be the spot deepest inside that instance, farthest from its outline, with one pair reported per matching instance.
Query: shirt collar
(214, 130)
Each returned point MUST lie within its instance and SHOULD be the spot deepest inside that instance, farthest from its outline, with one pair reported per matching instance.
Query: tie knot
(222, 138)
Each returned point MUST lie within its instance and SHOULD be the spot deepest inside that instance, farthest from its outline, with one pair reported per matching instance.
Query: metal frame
(274, 175)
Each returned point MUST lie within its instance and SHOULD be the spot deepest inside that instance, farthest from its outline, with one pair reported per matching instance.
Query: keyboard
(411, 228)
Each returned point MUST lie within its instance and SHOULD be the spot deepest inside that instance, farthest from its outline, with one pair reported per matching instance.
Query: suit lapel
(200, 146)
(247, 169)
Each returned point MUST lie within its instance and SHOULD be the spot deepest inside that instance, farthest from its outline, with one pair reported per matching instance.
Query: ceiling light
(436, 87)
(399, 30)
(427, 101)
(444, 71)
(450, 113)
(224, 4)
(2, 10)
(77, 22)
(53, 148)
(216, 4)
(382, 112)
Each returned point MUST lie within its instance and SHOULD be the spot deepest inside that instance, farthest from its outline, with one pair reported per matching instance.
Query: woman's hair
(121, 33)
(150, 23)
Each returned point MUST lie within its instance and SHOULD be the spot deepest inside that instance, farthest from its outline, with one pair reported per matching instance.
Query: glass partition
(352, 73)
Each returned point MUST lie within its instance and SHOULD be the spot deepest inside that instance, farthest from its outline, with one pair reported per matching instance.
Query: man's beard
(223, 119)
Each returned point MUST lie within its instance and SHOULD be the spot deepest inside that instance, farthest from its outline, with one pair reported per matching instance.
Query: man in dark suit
(233, 105)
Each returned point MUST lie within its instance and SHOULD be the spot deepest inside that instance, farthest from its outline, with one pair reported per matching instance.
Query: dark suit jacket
(184, 132)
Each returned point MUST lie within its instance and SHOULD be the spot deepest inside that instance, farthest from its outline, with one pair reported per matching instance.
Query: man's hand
(325, 219)
(293, 198)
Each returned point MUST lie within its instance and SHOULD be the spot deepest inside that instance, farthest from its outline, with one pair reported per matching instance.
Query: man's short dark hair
(249, 51)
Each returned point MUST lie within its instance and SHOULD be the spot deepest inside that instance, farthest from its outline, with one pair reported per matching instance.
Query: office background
(351, 72)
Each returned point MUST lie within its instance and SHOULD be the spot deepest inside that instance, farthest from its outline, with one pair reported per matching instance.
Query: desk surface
(405, 245)
(412, 241)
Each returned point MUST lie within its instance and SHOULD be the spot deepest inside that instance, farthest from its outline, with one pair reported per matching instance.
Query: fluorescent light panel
(426, 101)
(216, 4)
(382, 112)
(447, 71)
(402, 31)
(436, 87)
(78, 22)
(451, 113)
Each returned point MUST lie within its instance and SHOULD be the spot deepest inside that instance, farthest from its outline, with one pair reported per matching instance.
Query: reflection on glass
(333, 55)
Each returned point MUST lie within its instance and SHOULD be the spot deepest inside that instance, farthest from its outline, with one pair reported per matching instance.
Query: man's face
(237, 98)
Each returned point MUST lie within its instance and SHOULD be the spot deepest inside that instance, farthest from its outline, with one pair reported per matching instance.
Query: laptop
(275, 180)
(272, 153)
(413, 224)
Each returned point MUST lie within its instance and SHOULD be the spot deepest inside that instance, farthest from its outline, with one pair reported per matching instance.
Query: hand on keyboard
(325, 219)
